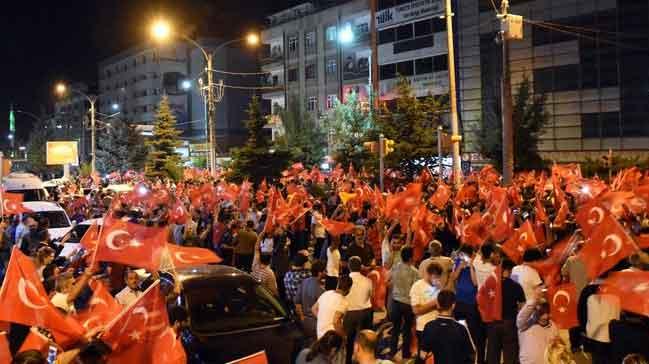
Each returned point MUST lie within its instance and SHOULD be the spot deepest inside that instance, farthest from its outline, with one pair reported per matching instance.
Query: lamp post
(161, 30)
(61, 89)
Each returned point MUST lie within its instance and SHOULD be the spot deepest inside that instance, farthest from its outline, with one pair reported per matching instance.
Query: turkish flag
(244, 196)
(490, 298)
(441, 196)
(5, 352)
(550, 267)
(501, 221)
(586, 190)
(35, 341)
(567, 172)
(183, 256)
(378, 277)
(12, 203)
(562, 214)
(609, 243)
(168, 349)
(131, 244)
(90, 237)
(473, 231)
(260, 196)
(102, 308)
(337, 228)
(203, 195)
(403, 202)
(178, 213)
(522, 239)
(632, 288)
(590, 216)
(563, 305)
(257, 358)
(143, 320)
(24, 301)
(541, 215)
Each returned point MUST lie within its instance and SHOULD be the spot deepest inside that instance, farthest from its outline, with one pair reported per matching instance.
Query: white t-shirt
(534, 341)
(483, 270)
(267, 245)
(126, 296)
(602, 309)
(318, 228)
(528, 278)
(329, 303)
(333, 263)
(421, 293)
(60, 300)
(360, 295)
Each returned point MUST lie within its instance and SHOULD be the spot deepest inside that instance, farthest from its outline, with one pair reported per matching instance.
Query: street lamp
(186, 85)
(115, 106)
(61, 89)
(162, 30)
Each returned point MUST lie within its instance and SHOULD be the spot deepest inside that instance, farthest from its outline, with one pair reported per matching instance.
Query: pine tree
(529, 117)
(113, 148)
(413, 126)
(350, 126)
(303, 136)
(137, 149)
(258, 158)
(162, 157)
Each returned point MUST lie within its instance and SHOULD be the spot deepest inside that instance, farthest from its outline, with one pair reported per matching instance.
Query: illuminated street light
(346, 35)
(186, 85)
(115, 106)
(10, 136)
(252, 39)
(61, 89)
(161, 30)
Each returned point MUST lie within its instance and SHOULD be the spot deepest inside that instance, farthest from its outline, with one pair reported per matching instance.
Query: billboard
(58, 153)
(408, 12)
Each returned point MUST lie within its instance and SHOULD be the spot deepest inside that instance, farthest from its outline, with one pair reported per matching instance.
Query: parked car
(231, 315)
(29, 185)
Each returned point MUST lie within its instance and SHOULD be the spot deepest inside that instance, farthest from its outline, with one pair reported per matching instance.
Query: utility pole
(93, 129)
(455, 127)
(439, 151)
(211, 114)
(506, 95)
(374, 59)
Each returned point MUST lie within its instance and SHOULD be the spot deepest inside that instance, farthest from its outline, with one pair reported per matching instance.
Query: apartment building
(588, 57)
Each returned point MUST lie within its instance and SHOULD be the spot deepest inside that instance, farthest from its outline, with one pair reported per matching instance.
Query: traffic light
(388, 146)
(373, 147)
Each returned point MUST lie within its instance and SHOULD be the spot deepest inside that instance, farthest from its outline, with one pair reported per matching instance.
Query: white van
(29, 185)
(60, 223)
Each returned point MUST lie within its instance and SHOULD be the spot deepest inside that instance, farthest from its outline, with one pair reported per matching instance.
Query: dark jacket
(449, 341)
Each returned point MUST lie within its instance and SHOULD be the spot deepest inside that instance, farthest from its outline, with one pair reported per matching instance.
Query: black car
(230, 316)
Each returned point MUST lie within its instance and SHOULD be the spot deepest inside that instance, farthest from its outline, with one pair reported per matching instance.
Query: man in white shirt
(527, 276)
(423, 297)
(131, 292)
(67, 290)
(535, 329)
(485, 263)
(331, 308)
(359, 311)
(435, 248)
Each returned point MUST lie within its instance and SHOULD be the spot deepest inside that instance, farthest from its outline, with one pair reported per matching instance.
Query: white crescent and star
(23, 285)
(561, 293)
(617, 245)
(111, 237)
(179, 257)
(596, 215)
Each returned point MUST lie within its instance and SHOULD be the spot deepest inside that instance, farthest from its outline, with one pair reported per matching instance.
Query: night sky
(49, 41)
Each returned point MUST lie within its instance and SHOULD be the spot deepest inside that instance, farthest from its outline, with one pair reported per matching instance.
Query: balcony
(355, 68)
(272, 55)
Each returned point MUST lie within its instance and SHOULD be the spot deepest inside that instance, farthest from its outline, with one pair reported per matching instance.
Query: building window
(405, 68)
(292, 75)
(388, 71)
(332, 67)
(440, 63)
(331, 33)
(312, 103)
(386, 36)
(331, 101)
(590, 126)
(413, 44)
(439, 25)
(404, 32)
(309, 41)
(362, 28)
(292, 44)
(310, 71)
(423, 27)
(424, 65)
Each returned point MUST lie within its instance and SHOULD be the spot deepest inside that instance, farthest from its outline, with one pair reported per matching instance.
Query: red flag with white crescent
(589, 216)
(12, 203)
(522, 239)
(24, 300)
(563, 305)
(184, 256)
(632, 288)
(131, 244)
(490, 298)
(90, 237)
(102, 308)
(609, 243)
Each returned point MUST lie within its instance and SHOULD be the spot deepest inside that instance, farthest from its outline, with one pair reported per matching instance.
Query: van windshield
(37, 194)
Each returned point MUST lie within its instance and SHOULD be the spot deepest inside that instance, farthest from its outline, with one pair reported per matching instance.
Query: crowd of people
(478, 273)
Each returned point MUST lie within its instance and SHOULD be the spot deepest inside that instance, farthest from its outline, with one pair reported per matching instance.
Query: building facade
(588, 57)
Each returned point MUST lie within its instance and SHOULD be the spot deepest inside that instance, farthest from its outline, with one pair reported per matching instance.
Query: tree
(350, 127)
(413, 127)
(137, 149)
(529, 117)
(258, 158)
(162, 153)
(303, 136)
(113, 148)
(36, 143)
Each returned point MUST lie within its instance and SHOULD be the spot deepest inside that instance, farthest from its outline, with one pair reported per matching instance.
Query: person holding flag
(536, 331)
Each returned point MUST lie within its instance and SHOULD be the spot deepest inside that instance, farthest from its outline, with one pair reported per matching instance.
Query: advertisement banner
(407, 12)
(422, 85)
(58, 153)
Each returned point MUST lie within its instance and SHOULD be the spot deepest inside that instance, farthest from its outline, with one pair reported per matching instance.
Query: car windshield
(230, 306)
(32, 195)
(57, 219)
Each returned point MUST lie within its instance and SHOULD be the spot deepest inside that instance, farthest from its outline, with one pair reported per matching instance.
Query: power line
(253, 87)
(242, 73)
